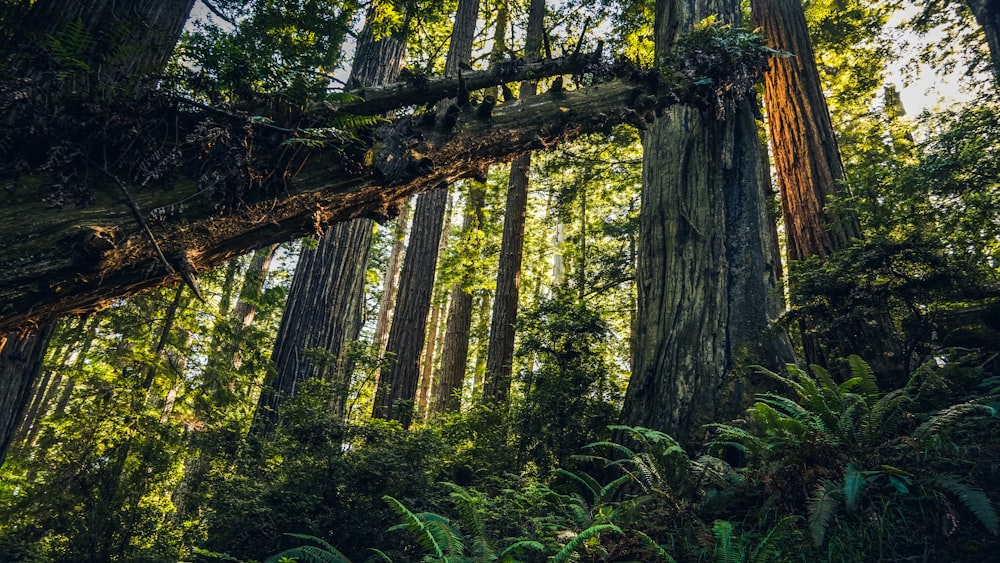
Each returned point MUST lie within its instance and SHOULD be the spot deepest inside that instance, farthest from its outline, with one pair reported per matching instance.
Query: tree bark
(805, 151)
(20, 362)
(395, 394)
(706, 288)
(455, 350)
(500, 357)
(48, 268)
(390, 283)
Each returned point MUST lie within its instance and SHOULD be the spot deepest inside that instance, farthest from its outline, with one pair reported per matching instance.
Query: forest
(504, 280)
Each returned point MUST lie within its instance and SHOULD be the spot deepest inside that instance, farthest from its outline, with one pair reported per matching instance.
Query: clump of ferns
(824, 445)
(653, 485)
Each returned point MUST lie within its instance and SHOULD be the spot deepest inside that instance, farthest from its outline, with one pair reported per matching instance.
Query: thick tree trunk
(806, 156)
(500, 358)
(397, 385)
(987, 13)
(810, 172)
(705, 277)
(455, 350)
(145, 29)
(323, 313)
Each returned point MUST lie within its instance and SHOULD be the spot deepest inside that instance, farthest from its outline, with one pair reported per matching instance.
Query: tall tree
(500, 356)
(455, 350)
(806, 157)
(323, 313)
(707, 287)
(397, 386)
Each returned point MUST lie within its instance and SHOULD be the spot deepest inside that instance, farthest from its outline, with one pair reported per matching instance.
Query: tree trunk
(323, 313)
(806, 156)
(397, 384)
(987, 13)
(455, 351)
(390, 284)
(145, 29)
(500, 357)
(706, 290)
(20, 361)
(80, 259)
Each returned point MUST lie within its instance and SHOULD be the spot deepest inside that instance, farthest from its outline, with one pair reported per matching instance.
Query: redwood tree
(323, 313)
(706, 275)
(397, 386)
(500, 354)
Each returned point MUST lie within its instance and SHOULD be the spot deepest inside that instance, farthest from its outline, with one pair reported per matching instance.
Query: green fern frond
(325, 553)
(854, 485)
(518, 548)
(655, 547)
(583, 536)
(614, 446)
(70, 44)
(608, 491)
(468, 510)
(868, 384)
(769, 548)
(946, 417)
(415, 526)
(725, 550)
(381, 554)
(308, 554)
(974, 499)
(790, 409)
(822, 507)
(588, 483)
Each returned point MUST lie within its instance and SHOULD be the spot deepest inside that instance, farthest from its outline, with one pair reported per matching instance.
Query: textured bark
(46, 269)
(434, 334)
(146, 29)
(455, 350)
(20, 362)
(246, 309)
(806, 157)
(390, 283)
(706, 288)
(397, 385)
(500, 357)
(987, 13)
(323, 313)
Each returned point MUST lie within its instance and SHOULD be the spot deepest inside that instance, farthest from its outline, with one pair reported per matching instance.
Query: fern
(325, 553)
(583, 536)
(946, 417)
(657, 548)
(768, 548)
(862, 371)
(973, 499)
(69, 46)
(725, 550)
(508, 553)
(424, 534)
(822, 507)
(854, 485)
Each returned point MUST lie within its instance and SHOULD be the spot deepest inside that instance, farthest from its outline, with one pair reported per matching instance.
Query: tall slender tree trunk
(500, 358)
(323, 313)
(806, 156)
(20, 362)
(390, 284)
(706, 287)
(396, 393)
(397, 386)
(455, 350)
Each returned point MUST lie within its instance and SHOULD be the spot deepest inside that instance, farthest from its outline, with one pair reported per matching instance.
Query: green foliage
(853, 446)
